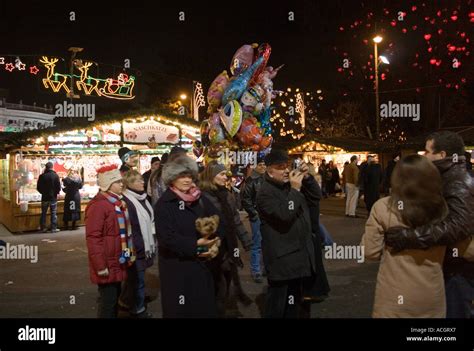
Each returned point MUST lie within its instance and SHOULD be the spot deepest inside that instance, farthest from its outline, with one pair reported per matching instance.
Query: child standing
(109, 243)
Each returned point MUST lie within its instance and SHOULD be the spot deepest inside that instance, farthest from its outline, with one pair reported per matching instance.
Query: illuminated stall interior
(85, 150)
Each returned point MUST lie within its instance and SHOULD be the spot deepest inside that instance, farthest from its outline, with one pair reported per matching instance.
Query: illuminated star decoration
(2, 60)
(34, 70)
(9, 67)
(21, 66)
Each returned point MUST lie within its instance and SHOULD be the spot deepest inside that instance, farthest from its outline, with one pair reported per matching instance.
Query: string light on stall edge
(9, 67)
(34, 70)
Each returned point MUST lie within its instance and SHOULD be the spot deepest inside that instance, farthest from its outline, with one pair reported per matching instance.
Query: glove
(103, 273)
(392, 238)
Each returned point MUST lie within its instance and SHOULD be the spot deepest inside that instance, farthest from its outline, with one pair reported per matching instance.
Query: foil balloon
(217, 88)
(197, 148)
(215, 119)
(249, 134)
(251, 100)
(231, 117)
(263, 52)
(216, 134)
(242, 59)
(237, 87)
(265, 142)
(265, 123)
(204, 131)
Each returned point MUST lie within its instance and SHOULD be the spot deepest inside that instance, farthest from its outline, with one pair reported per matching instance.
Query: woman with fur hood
(187, 284)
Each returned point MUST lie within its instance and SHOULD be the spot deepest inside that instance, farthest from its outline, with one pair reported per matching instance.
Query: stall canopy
(133, 127)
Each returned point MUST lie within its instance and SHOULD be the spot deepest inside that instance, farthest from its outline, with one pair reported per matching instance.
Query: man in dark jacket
(249, 203)
(155, 163)
(372, 178)
(49, 187)
(446, 151)
(283, 203)
(388, 173)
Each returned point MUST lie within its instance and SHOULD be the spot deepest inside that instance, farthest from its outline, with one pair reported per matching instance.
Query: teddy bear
(207, 227)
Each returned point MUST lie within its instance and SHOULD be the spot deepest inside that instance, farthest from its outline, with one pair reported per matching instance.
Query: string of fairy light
(291, 109)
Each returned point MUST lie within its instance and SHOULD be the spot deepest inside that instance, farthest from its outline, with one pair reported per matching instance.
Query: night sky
(167, 54)
(161, 46)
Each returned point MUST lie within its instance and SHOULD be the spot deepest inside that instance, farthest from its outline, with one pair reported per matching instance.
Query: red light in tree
(404, 30)
(341, 28)
(414, 27)
(451, 48)
(393, 23)
(433, 61)
(430, 49)
(438, 13)
(383, 76)
(413, 8)
(454, 18)
(440, 31)
(427, 36)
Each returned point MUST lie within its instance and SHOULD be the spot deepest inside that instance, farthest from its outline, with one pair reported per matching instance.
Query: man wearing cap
(49, 187)
(155, 163)
(283, 204)
(249, 203)
(129, 159)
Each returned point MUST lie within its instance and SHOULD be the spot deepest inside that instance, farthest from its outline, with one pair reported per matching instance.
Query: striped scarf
(128, 251)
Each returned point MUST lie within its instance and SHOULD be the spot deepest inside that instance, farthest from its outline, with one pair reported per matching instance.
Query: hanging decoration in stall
(240, 107)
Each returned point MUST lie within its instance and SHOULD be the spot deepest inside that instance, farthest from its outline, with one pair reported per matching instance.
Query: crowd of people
(186, 217)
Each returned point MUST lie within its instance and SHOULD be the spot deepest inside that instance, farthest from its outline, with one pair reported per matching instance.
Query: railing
(11, 106)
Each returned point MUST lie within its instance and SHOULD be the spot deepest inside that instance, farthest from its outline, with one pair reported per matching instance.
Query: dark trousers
(284, 299)
(459, 297)
(108, 304)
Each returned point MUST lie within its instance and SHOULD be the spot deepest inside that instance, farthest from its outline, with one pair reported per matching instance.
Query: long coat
(103, 241)
(372, 179)
(287, 239)
(187, 285)
(410, 284)
(72, 200)
(141, 262)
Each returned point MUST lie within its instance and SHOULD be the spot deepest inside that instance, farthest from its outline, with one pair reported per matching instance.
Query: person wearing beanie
(213, 182)
(187, 284)
(108, 238)
(249, 198)
(49, 187)
(286, 204)
(155, 163)
(129, 159)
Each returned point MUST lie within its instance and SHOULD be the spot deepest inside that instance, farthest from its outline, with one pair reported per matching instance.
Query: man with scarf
(109, 242)
(446, 151)
(284, 204)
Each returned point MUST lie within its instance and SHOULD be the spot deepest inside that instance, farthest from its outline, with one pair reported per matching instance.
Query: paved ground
(58, 284)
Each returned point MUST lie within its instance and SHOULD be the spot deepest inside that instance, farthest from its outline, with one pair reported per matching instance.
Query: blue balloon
(237, 87)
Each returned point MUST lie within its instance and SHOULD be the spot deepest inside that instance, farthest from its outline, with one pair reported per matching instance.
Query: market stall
(84, 150)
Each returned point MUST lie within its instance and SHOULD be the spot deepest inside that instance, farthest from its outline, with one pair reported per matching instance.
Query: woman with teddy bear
(186, 225)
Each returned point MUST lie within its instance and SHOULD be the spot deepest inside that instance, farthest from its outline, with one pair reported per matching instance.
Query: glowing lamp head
(377, 39)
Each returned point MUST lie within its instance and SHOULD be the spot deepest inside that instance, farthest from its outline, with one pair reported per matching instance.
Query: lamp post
(377, 40)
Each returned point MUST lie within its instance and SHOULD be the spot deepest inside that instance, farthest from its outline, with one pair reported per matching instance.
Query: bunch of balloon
(240, 106)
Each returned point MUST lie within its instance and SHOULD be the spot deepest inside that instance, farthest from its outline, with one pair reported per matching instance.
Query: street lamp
(377, 40)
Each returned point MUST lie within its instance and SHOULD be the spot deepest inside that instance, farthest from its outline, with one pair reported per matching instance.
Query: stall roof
(12, 140)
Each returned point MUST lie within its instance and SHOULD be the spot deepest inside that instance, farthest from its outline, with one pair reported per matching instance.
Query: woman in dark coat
(72, 201)
(213, 183)
(187, 284)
